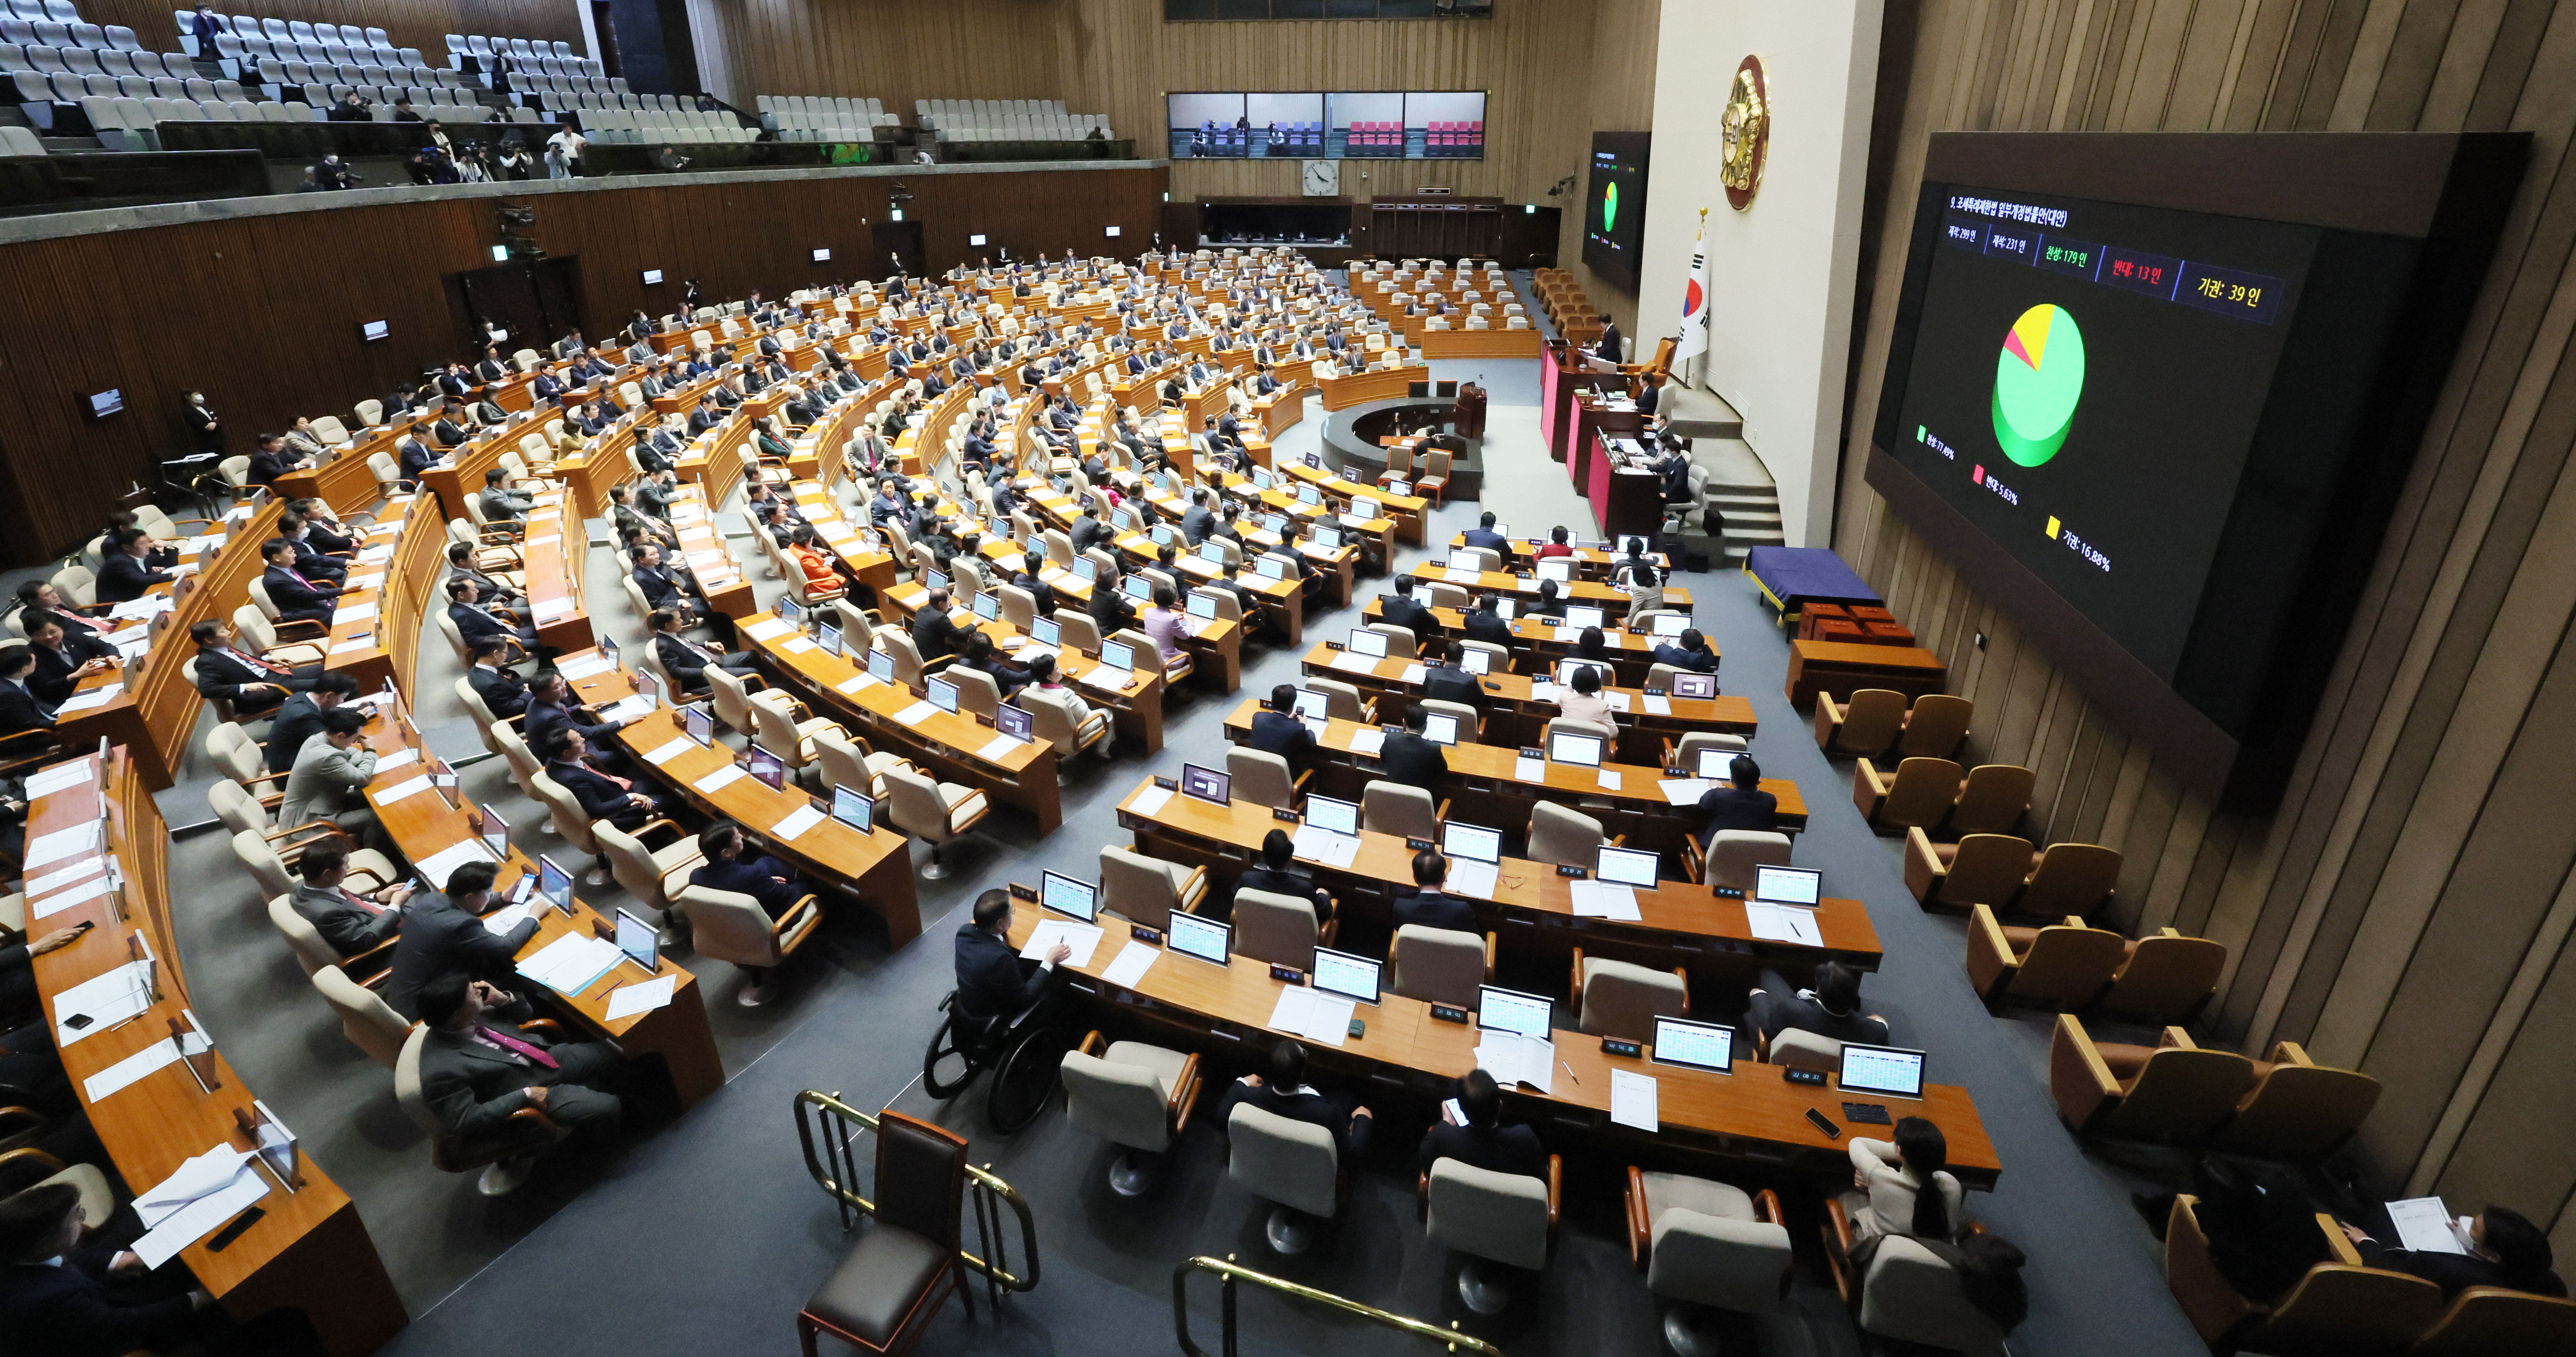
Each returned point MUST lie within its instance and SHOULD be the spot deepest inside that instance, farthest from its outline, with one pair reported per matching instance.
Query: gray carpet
(706, 1235)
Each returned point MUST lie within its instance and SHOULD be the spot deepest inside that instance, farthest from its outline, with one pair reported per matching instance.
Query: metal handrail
(839, 1167)
(1230, 1274)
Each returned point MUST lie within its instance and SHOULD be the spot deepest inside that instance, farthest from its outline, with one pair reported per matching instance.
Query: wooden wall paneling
(424, 24)
(2485, 1151)
(2510, 59)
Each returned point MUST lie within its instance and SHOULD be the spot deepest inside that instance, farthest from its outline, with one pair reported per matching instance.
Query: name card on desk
(99, 696)
(797, 822)
(718, 780)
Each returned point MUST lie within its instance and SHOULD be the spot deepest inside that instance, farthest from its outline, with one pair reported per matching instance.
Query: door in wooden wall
(536, 301)
(902, 240)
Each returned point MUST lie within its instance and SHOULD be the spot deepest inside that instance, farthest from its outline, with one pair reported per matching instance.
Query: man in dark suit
(270, 460)
(1740, 805)
(1483, 1141)
(685, 660)
(491, 591)
(55, 1295)
(352, 923)
(300, 717)
(1038, 589)
(504, 693)
(500, 503)
(1483, 535)
(1692, 653)
(123, 573)
(933, 634)
(475, 622)
(703, 416)
(603, 795)
(1282, 1090)
(415, 457)
(1830, 1009)
(1482, 623)
(298, 598)
(990, 983)
(553, 707)
(1444, 679)
(1197, 519)
(1276, 729)
(477, 1068)
(20, 708)
(1399, 610)
(310, 557)
(730, 866)
(1409, 758)
(1275, 874)
(63, 659)
(2506, 1250)
(440, 934)
(1425, 905)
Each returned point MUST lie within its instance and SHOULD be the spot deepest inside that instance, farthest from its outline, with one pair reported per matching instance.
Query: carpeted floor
(706, 1234)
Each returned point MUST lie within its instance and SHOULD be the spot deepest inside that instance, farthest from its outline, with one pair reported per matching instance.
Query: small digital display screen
(943, 694)
(1340, 817)
(1477, 662)
(1882, 1069)
(1369, 643)
(1117, 655)
(1196, 937)
(1352, 977)
(1313, 706)
(1138, 588)
(988, 607)
(1671, 624)
(652, 276)
(1203, 607)
(1509, 1010)
(639, 940)
(822, 256)
(554, 883)
(1472, 842)
(1627, 867)
(1064, 895)
(768, 769)
(1567, 746)
(1580, 618)
(853, 809)
(1206, 784)
(1440, 727)
(701, 727)
(1698, 1045)
(1046, 631)
(1787, 885)
(881, 666)
(373, 330)
(1696, 686)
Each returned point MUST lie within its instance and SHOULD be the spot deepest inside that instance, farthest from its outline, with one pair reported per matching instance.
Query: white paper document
(105, 1000)
(1783, 923)
(768, 629)
(1657, 705)
(1469, 877)
(1326, 847)
(1149, 801)
(435, 868)
(1609, 780)
(1368, 742)
(1133, 961)
(1684, 791)
(998, 748)
(1525, 769)
(854, 683)
(400, 758)
(61, 844)
(63, 876)
(582, 667)
(2424, 1225)
(51, 905)
(1083, 938)
(1604, 900)
(718, 780)
(915, 714)
(1354, 662)
(60, 776)
(353, 645)
(553, 608)
(1104, 678)
(355, 612)
(1311, 1013)
(208, 1190)
(626, 709)
(571, 963)
(99, 696)
(1514, 1059)
(797, 822)
(1457, 576)
(132, 1068)
(500, 921)
(1632, 1100)
(642, 997)
(664, 753)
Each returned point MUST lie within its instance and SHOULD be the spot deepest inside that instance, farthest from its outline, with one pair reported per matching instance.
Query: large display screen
(1339, 125)
(1614, 213)
(2085, 386)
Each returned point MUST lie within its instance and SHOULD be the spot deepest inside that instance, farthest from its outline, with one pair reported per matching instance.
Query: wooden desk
(1498, 342)
(951, 745)
(1749, 1115)
(875, 868)
(310, 1250)
(379, 618)
(1581, 593)
(1590, 563)
(703, 551)
(1135, 708)
(1564, 372)
(1516, 715)
(1406, 510)
(1841, 668)
(426, 822)
(1682, 923)
(1536, 650)
(1373, 384)
(1485, 787)
(1626, 498)
(554, 556)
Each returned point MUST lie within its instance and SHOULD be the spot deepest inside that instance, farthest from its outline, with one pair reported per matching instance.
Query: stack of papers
(1684, 791)
(58, 777)
(353, 645)
(1632, 1100)
(719, 779)
(852, 684)
(133, 1068)
(582, 667)
(1783, 923)
(1609, 780)
(571, 963)
(356, 612)
(1083, 938)
(1318, 1017)
(500, 921)
(1324, 846)
(1104, 678)
(799, 820)
(1369, 741)
(402, 789)
(99, 696)
(400, 758)
(917, 713)
(50, 905)
(105, 1000)
(665, 753)
(1000, 747)
(1604, 900)
(1657, 705)
(1133, 961)
(1149, 801)
(435, 868)
(1355, 662)
(187, 1206)
(1514, 1059)
(768, 629)
(2424, 1225)
(61, 844)
(620, 712)
(1470, 877)
(642, 997)
(553, 608)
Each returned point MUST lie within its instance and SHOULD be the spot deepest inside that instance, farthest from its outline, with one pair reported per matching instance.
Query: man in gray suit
(477, 1070)
(328, 780)
(440, 933)
(501, 504)
(350, 922)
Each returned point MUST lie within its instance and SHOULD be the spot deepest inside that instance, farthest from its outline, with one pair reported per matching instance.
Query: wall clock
(1323, 178)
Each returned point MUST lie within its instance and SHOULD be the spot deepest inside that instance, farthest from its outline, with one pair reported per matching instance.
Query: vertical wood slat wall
(1552, 70)
(424, 24)
(2408, 908)
(262, 312)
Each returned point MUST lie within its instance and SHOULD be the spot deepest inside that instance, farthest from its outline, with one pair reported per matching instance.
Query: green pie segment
(2039, 379)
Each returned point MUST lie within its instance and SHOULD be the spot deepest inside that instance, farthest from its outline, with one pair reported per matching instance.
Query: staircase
(1746, 507)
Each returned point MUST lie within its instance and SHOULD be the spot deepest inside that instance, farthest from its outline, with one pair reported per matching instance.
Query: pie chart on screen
(2039, 379)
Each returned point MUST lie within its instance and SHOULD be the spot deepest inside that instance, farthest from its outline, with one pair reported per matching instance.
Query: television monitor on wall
(2155, 398)
(1342, 124)
(1614, 210)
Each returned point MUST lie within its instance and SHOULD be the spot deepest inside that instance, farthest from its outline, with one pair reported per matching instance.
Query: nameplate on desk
(1417, 845)
(1143, 934)
(1729, 893)
(1798, 1076)
(1576, 873)
(1288, 974)
(1448, 1013)
(1654, 692)
(1020, 892)
(1616, 1046)
(1169, 784)
(1332, 645)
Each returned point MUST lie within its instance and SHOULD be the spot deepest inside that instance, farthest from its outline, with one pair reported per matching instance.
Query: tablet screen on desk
(943, 695)
(1046, 632)
(1163, 535)
(701, 727)
(1313, 706)
(1474, 661)
(1566, 746)
(1556, 568)
(1309, 495)
(1699, 1045)
(1340, 817)
(988, 607)
(1472, 842)
(1580, 618)
(790, 613)
(1193, 936)
(1440, 728)
(1207, 784)
(1366, 642)
(1271, 568)
(881, 666)
(1117, 655)
(1700, 687)
(1086, 569)
(640, 941)
(1203, 606)
(1352, 977)
(1672, 624)
(1567, 669)
(1786, 885)
(934, 579)
(1138, 588)
(1882, 1069)
(554, 883)
(1627, 867)
(853, 809)
(496, 834)
(1329, 538)
(768, 769)
(1509, 1010)
(1014, 722)
(1717, 765)
(1064, 895)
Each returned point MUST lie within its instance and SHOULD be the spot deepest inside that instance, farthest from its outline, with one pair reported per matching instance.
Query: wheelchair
(1024, 1051)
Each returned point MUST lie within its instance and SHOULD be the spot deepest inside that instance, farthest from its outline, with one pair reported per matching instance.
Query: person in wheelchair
(990, 983)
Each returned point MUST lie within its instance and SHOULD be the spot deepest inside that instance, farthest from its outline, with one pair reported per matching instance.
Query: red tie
(494, 1037)
(362, 902)
(622, 784)
(261, 662)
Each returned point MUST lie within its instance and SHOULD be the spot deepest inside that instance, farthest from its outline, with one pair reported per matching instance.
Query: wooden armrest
(1638, 1225)
(279, 778)
(2336, 1240)
(1838, 1237)
(2176, 1039)
(649, 826)
(2080, 1043)
(1093, 1043)
(291, 856)
(1574, 986)
(801, 917)
(1618, 840)
(1555, 1182)
(546, 1025)
(1991, 963)
(1185, 1093)
(47, 1162)
(1694, 863)
(2291, 1053)
(374, 958)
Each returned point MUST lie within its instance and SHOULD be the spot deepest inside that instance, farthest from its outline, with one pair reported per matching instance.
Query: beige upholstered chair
(1735, 855)
(1263, 778)
(1406, 812)
(1441, 965)
(1279, 929)
(1708, 1246)
(1504, 1218)
(1623, 999)
(1146, 890)
(502, 1155)
(366, 1019)
(1133, 1095)
(732, 927)
(1292, 1164)
(1563, 837)
(935, 812)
